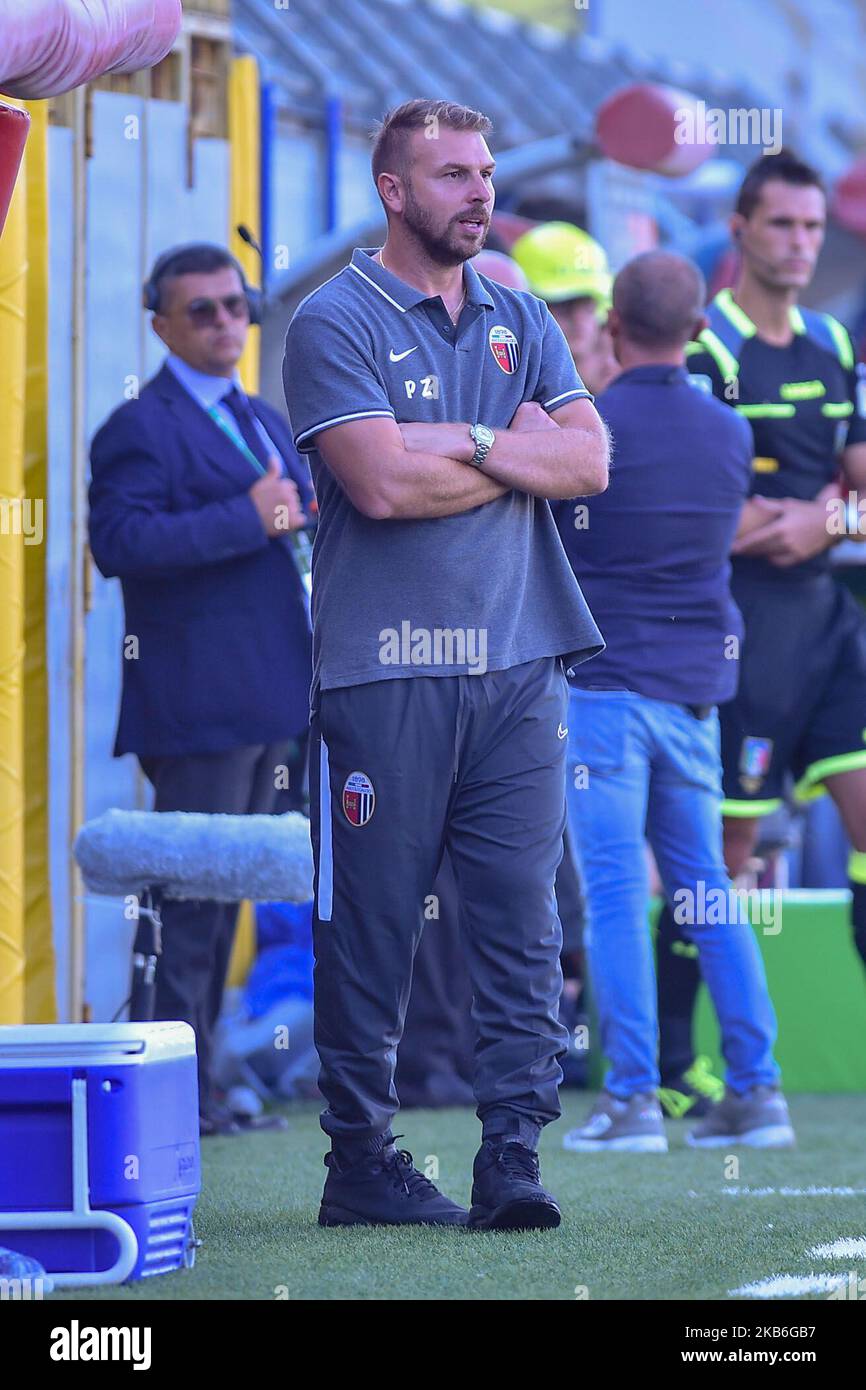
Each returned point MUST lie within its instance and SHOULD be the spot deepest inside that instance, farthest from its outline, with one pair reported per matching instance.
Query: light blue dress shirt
(209, 392)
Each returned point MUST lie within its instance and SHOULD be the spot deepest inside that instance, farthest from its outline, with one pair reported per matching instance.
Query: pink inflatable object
(51, 46)
(14, 126)
(647, 126)
(848, 203)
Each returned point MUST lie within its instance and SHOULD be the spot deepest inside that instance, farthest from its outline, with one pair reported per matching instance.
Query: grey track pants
(398, 770)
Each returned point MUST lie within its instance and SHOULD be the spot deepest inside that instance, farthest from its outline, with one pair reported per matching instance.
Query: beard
(439, 244)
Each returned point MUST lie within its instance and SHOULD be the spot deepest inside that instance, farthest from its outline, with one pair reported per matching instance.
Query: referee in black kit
(799, 715)
(440, 411)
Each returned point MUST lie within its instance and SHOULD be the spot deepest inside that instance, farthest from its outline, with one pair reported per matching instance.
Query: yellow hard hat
(562, 261)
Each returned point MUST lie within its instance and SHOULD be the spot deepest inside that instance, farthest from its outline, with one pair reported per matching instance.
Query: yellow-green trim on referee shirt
(802, 390)
(796, 320)
(842, 341)
(857, 866)
(744, 325)
(750, 808)
(724, 360)
(725, 301)
(810, 787)
(766, 410)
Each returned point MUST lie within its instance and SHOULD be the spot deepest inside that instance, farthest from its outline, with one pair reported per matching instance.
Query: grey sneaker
(758, 1118)
(621, 1126)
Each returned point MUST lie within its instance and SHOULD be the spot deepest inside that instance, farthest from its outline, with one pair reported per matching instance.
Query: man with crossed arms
(423, 394)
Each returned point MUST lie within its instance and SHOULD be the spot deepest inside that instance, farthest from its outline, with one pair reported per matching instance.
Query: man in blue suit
(196, 495)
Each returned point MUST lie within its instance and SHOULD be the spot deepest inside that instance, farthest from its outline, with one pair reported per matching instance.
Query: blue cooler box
(99, 1148)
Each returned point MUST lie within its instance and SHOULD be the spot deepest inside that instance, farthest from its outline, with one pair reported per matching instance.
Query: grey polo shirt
(483, 590)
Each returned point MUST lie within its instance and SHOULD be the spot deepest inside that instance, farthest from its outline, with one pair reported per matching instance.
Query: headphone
(150, 290)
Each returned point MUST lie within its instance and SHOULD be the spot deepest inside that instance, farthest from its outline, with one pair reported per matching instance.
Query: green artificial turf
(634, 1226)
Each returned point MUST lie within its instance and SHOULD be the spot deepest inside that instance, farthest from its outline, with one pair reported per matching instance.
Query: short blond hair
(391, 136)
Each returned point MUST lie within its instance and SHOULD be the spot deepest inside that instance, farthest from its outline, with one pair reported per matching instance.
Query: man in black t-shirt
(800, 711)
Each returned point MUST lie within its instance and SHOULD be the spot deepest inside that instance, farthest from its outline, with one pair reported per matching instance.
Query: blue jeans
(648, 769)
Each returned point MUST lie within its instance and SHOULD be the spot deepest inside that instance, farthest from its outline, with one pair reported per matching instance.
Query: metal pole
(77, 554)
(266, 156)
(334, 138)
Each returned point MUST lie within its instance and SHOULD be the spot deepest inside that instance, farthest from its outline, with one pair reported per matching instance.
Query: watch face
(483, 435)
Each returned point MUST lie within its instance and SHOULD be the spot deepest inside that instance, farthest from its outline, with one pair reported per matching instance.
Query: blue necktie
(243, 412)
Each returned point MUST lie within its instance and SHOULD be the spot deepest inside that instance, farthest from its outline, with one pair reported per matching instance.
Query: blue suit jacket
(224, 649)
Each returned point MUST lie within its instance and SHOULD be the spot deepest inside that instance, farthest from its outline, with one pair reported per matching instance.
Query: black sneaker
(219, 1120)
(216, 1123)
(506, 1191)
(384, 1189)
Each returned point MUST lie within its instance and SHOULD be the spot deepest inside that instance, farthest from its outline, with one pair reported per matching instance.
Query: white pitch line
(790, 1285)
(848, 1248)
(736, 1191)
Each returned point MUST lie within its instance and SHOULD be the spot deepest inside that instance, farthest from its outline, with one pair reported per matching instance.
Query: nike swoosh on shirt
(398, 356)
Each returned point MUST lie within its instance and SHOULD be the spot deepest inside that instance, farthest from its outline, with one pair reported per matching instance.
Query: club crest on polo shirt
(505, 348)
(755, 756)
(359, 798)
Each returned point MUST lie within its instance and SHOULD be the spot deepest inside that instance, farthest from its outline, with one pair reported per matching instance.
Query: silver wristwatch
(484, 439)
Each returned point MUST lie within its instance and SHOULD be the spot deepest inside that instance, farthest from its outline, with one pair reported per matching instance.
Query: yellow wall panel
(40, 1001)
(244, 205)
(13, 277)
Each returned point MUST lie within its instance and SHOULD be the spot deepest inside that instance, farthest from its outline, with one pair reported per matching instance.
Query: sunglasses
(202, 313)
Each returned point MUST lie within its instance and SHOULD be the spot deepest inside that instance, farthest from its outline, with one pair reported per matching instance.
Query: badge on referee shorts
(755, 757)
(504, 347)
(359, 798)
